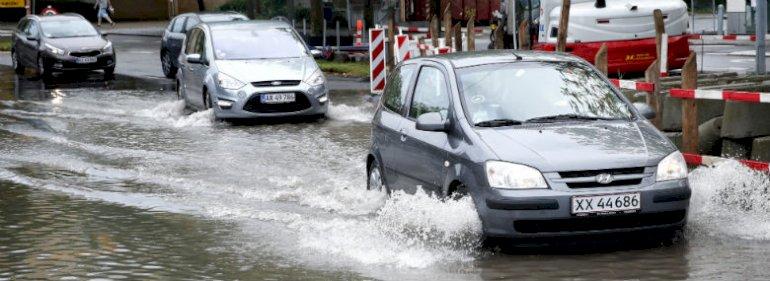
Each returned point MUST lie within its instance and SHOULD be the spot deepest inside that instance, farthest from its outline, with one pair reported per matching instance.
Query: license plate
(86, 60)
(277, 98)
(609, 203)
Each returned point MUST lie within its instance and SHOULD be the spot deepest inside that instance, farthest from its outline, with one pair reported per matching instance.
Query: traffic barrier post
(689, 106)
(377, 52)
(600, 60)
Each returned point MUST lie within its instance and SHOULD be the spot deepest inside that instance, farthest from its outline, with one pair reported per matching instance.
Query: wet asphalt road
(116, 180)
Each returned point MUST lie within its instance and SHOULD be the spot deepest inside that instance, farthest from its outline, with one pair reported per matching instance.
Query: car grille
(85, 53)
(255, 105)
(606, 222)
(587, 179)
(275, 83)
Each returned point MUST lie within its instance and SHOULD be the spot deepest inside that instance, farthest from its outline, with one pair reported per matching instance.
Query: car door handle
(403, 135)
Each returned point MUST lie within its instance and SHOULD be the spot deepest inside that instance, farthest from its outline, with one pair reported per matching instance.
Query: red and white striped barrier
(633, 85)
(701, 160)
(731, 37)
(751, 97)
(443, 50)
(414, 29)
(377, 60)
(403, 48)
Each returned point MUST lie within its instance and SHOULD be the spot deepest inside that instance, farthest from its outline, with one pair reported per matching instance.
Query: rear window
(219, 18)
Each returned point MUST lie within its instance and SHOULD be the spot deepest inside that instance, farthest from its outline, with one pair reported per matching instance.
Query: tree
(201, 5)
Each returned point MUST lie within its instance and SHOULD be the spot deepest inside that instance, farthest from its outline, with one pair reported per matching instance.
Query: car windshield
(68, 28)
(244, 44)
(514, 93)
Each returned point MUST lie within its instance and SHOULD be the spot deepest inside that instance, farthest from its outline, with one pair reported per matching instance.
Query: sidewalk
(135, 28)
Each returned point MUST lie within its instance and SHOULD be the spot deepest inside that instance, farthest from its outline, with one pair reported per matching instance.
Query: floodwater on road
(102, 180)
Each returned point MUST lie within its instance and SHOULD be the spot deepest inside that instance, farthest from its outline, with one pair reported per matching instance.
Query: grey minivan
(251, 69)
(542, 142)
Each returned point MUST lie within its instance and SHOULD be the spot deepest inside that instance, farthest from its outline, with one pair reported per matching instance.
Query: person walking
(103, 11)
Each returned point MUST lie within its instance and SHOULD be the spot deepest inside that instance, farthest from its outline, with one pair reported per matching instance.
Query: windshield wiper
(498, 123)
(563, 117)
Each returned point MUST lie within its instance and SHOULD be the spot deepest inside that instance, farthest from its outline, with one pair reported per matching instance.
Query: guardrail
(741, 96)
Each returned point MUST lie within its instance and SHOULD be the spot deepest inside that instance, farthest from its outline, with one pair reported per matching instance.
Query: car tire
(206, 100)
(42, 70)
(169, 70)
(374, 180)
(458, 192)
(109, 73)
(18, 67)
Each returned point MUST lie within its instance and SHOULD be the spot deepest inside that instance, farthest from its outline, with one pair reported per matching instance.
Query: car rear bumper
(664, 206)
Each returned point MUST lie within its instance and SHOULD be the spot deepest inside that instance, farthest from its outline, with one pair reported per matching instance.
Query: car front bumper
(548, 213)
(246, 103)
(69, 63)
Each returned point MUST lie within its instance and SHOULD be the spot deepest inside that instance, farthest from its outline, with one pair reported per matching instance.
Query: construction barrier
(701, 160)
(359, 33)
(403, 48)
(664, 55)
(633, 85)
(741, 96)
(377, 60)
(732, 37)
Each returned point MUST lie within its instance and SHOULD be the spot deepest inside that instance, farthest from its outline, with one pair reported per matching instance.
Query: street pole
(761, 30)
(692, 16)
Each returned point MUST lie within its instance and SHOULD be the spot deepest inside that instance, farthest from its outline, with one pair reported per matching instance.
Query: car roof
(67, 16)
(252, 24)
(212, 13)
(467, 59)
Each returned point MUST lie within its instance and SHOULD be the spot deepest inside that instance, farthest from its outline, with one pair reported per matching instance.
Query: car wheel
(42, 71)
(168, 66)
(17, 66)
(109, 73)
(458, 192)
(206, 100)
(374, 179)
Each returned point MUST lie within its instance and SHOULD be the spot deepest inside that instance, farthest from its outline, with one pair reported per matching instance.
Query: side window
(178, 24)
(200, 43)
(23, 26)
(397, 88)
(430, 93)
(32, 29)
(191, 42)
(191, 22)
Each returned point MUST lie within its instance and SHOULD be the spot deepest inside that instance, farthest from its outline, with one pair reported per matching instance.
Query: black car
(176, 32)
(60, 43)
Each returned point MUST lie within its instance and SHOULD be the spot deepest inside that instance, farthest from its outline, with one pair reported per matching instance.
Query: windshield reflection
(530, 90)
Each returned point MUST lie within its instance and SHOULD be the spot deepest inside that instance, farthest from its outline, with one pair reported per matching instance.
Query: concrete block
(675, 137)
(736, 148)
(745, 120)
(671, 112)
(709, 137)
(760, 149)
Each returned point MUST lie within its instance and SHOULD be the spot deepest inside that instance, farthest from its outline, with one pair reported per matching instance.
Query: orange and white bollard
(359, 33)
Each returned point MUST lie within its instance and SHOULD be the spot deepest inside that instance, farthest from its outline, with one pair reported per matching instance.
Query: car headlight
(673, 167)
(227, 82)
(513, 176)
(107, 48)
(53, 49)
(315, 79)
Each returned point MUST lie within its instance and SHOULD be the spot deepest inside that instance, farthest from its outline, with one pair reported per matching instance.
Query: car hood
(78, 43)
(268, 69)
(579, 146)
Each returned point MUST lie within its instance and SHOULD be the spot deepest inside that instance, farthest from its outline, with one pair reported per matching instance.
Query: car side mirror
(645, 110)
(316, 53)
(432, 122)
(193, 58)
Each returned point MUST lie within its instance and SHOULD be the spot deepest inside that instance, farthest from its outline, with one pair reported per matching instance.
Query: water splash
(344, 112)
(730, 200)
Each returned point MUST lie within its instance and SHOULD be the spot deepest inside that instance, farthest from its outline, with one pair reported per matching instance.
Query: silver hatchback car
(250, 69)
